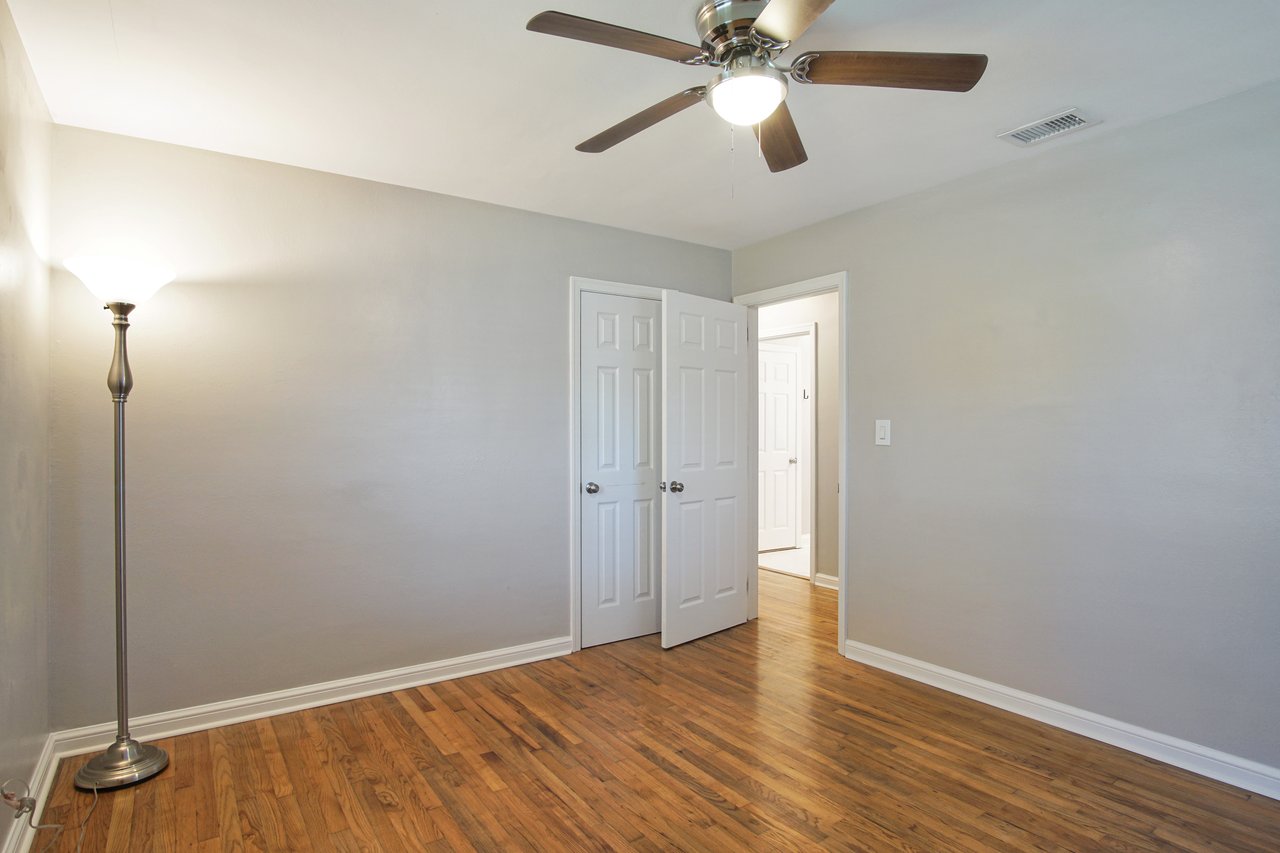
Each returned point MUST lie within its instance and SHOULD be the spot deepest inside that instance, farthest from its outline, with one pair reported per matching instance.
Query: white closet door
(778, 479)
(707, 539)
(621, 401)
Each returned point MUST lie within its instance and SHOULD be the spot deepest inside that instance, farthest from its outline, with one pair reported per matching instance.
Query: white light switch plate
(882, 432)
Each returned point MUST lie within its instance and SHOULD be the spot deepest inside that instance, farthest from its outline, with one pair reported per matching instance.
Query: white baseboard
(20, 833)
(826, 581)
(200, 717)
(171, 723)
(1232, 769)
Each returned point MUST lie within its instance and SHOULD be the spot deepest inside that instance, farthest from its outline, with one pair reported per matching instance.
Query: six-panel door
(778, 477)
(708, 552)
(620, 524)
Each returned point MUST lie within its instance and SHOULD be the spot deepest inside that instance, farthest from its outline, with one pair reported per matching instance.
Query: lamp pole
(126, 761)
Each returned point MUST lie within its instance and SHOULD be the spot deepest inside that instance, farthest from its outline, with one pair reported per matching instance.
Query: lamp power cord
(25, 805)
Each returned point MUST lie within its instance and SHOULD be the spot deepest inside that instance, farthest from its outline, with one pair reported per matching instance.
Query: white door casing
(620, 388)
(707, 553)
(839, 283)
(778, 480)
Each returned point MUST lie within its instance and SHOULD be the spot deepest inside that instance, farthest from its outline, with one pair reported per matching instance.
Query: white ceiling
(457, 97)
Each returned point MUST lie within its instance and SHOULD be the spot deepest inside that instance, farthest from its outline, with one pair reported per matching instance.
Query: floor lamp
(121, 285)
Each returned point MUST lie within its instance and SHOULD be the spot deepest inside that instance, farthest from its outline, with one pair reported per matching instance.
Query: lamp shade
(115, 279)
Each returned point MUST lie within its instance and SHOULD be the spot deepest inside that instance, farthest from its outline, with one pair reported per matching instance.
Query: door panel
(706, 553)
(620, 387)
(779, 481)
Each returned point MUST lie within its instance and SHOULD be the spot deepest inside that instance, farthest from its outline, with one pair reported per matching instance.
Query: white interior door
(707, 541)
(620, 404)
(778, 476)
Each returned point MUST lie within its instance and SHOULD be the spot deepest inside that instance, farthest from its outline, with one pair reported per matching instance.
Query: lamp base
(124, 762)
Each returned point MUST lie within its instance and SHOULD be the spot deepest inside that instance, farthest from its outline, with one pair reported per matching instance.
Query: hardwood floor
(759, 738)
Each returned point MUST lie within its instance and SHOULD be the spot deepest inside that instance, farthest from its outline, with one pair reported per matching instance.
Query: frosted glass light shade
(114, 279)
(747, 97)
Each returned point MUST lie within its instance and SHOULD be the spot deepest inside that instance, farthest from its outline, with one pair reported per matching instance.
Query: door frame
(809, 354)
(577, 286)
(839, 283)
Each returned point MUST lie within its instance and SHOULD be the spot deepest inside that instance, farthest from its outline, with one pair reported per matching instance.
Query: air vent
(1046, 128)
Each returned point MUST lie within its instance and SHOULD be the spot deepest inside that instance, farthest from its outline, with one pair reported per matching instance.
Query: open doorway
(799, 336)
(787, 393)
(799, 418)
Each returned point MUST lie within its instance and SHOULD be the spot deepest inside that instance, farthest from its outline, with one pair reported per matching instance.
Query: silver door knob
(592, 488)
(791, 461)
(677, 486)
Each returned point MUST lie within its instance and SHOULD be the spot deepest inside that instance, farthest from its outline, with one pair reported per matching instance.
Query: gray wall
(24, 414)
(1080, 353)
(348, 434)
(823, 310)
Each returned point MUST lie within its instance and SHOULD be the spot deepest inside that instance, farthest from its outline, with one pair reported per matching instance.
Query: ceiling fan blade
(780, 141)
(944, 72)
(596, 32)
(628, 128)
(786, 20)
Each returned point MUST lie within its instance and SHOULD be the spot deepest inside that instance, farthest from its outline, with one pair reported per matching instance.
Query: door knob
(677, 486)
(791, 461)
(592, 488)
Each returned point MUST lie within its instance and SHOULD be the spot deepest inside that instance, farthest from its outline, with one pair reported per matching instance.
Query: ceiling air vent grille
(1048, 128)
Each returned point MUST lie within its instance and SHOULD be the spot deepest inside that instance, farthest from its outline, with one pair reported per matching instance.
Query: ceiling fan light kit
(743, 39)
(747, 90)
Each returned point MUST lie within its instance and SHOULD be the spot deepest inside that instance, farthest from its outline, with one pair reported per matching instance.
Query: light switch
(882, 432)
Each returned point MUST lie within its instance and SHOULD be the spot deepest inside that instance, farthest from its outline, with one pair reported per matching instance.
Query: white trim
(69, 742)
(225, 713)
(826, 581)
(753, 465)
(577, 286)
(839, 282)
(794, 331)
(1232, 769)
(20, 833)
(616, 288)
(785, 292)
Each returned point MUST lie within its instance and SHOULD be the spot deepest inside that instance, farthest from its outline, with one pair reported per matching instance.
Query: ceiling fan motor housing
(726, 24)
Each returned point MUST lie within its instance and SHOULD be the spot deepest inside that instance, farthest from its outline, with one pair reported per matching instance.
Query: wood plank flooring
(758, 738)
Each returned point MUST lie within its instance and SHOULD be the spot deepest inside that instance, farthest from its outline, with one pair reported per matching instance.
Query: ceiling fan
(743, 39)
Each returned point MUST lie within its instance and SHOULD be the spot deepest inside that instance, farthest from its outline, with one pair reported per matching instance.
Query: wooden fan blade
(645, 118)
(944, 72)
(596, 32)
(786, 20)
(780, 141)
